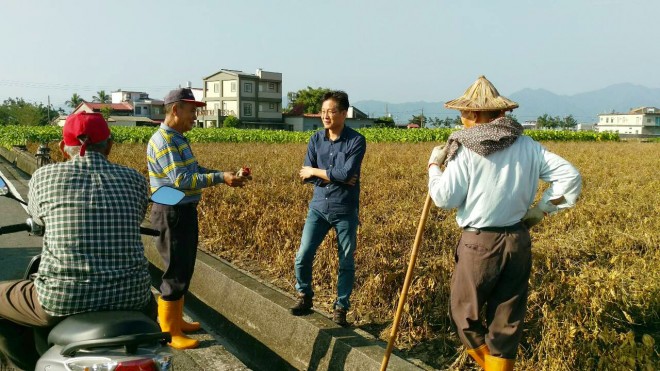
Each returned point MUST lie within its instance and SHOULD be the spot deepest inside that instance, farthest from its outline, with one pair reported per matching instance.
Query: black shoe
(339, 317)
(303, 305)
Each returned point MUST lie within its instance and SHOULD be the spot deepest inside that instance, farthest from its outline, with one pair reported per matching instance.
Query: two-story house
(256, 99)
(143, 106)
(639, 121)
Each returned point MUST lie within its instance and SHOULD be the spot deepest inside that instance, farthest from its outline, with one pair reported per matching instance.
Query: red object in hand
(245, 171)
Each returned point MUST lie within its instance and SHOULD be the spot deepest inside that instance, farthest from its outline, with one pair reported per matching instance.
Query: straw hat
(482, 96)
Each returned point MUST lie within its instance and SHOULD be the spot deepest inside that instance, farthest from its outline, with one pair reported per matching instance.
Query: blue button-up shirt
(341, 159)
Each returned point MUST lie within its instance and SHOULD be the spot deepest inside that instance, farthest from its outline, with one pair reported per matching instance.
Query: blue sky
(396, 51)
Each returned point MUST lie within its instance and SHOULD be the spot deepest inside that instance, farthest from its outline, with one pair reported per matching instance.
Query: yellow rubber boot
(187, 326)
(479, 355)
(169, 315)
(498, 364)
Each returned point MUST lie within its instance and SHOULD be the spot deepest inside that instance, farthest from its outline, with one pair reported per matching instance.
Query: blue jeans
(316, 228)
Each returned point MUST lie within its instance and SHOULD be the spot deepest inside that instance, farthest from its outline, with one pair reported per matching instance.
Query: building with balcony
(256, 99)
(143, 106)
(642, 121)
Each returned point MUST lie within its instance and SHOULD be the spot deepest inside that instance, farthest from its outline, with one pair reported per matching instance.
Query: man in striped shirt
(171, 162)
(92, 257)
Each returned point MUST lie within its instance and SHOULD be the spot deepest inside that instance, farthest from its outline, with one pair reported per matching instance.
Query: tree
(546, 122)
(384, 122)
(19, 112)
(433, 122)
(309, 98)
(106, 111)
(231, 122)
(74, 101)
(419, 120)
(101, 97)
(512, 117)
(450, 123)
(569, 122)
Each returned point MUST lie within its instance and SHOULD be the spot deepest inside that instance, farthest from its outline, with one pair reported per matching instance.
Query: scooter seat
(100, 325)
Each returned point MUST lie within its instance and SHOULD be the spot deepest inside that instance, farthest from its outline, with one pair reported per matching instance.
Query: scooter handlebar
(14, 228)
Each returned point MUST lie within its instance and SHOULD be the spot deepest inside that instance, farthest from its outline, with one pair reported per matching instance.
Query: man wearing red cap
(93, 257)
(171, 162)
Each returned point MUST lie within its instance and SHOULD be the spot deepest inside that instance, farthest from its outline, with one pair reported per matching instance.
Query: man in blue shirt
(332, 164)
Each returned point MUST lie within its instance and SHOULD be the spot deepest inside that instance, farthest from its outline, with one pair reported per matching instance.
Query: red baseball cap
(85, 128)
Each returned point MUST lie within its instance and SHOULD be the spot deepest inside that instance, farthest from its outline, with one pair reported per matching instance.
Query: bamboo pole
(406, 282)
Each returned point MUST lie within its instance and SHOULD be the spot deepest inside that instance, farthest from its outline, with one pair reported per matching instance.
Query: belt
(494, 229)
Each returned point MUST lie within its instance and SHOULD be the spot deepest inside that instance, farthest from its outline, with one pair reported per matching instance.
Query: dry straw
(482, 96)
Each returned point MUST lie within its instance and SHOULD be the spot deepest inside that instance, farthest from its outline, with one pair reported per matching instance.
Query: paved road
(17, 249)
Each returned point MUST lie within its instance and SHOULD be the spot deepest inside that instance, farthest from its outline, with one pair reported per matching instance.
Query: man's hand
(233, 180)
(533, 217)
(351, 182)
(438, 155)
(245, 172)
(306, 172)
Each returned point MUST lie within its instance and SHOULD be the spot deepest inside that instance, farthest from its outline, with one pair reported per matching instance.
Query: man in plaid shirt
(92, 257)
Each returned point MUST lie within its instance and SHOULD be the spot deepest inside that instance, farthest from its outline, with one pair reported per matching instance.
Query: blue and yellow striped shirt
(171, 162)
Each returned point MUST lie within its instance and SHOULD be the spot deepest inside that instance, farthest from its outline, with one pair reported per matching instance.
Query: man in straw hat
(491, 173)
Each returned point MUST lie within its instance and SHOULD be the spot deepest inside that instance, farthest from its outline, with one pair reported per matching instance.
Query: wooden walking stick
(406, 282)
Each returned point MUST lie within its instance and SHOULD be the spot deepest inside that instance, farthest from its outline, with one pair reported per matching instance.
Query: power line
(71, 87)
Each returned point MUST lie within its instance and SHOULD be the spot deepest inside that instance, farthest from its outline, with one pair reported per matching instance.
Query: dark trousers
(492, 269)
(20, 313)
(177, 246)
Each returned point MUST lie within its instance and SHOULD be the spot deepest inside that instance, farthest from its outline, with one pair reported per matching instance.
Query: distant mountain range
(585, 107)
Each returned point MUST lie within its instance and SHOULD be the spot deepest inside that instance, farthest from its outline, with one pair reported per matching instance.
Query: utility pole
(421, 119)
(48, 110)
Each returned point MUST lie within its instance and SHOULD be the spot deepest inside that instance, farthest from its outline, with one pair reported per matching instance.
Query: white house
(639, 121)
(143, 106)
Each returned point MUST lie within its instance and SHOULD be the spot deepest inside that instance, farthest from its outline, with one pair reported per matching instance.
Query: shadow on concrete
(339, 342)
(245, 347)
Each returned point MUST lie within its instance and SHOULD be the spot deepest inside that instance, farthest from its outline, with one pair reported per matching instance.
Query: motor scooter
(99, 341)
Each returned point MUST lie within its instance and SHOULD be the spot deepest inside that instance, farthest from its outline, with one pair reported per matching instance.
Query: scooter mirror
(3, 187)
(167, 196)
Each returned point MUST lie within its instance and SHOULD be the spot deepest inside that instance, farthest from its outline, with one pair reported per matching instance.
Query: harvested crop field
(595, 286)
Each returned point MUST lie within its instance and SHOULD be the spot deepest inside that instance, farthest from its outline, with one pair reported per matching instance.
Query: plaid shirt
(171, 162)
(92, 256)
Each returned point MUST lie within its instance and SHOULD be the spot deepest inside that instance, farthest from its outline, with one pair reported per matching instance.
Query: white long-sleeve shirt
(497, 190)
